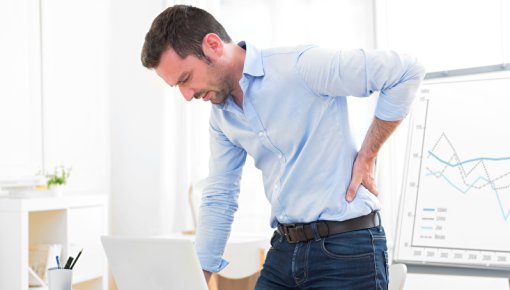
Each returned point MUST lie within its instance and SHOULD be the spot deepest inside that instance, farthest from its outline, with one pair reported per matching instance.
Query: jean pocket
(350, 245)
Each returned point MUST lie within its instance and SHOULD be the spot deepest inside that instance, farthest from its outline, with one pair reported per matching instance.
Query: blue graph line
(467, 161)
(440, 174)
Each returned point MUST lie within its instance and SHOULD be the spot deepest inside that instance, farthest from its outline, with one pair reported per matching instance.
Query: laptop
(154, 263)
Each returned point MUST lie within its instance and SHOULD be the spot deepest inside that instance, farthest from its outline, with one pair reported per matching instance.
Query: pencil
(68, 263)
(76, 259)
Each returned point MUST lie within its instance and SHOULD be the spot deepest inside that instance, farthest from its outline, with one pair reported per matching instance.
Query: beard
(225, 80)
(224, 85)
(218, 97)
(221, 95)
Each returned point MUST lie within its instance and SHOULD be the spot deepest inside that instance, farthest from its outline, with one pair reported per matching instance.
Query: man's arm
(360, 73)
(207, 276)
(219, 200)
(363, 168)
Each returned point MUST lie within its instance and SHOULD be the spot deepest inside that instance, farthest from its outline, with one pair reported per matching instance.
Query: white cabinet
(75, 222)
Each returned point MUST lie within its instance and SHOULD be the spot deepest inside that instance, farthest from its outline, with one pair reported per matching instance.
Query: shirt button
(261, 133)
(280, 156)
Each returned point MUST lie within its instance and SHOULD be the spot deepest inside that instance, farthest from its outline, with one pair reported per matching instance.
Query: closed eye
(183, 80)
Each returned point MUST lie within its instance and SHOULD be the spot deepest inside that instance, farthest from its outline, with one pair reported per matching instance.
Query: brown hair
(181, 28)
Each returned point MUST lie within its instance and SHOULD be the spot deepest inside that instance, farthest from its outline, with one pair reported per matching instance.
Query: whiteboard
(455, 206)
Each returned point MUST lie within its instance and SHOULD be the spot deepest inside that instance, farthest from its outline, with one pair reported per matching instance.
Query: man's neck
(238, 56)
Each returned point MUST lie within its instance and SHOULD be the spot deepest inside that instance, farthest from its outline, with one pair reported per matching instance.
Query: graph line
(464, 173)
(479, 182)
(467, 161)
(464, 191)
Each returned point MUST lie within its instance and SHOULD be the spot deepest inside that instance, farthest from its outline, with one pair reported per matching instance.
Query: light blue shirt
(294, 123)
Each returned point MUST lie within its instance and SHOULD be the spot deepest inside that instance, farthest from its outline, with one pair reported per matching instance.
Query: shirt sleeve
(219, 200)
(362, 72)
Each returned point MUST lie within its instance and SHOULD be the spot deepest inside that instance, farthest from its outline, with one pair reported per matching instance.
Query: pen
(58, 262)
(68, 263)
(76, 259)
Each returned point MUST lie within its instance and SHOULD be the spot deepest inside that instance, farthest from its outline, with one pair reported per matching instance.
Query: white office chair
(246, 253)
(397, 276)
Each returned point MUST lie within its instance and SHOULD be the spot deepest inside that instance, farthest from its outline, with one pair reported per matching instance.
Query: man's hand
(363, 168)
(362, 173)
(207, 276)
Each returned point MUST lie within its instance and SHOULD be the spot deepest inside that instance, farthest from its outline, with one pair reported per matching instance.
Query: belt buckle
(286, 232)
(295, 233)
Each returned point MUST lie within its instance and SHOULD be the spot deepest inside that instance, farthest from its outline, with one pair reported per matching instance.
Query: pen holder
(60, 279)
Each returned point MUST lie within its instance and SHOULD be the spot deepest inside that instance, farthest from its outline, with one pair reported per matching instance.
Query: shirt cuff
(213, 269)
(387, 111)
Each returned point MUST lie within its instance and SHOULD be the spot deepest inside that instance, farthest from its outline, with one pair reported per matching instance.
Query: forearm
(363, 168)
(377, 134)
(214, 225)
(207, 276)
(219, 200)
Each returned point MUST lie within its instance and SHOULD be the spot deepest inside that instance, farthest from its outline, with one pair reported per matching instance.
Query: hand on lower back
(362, 173)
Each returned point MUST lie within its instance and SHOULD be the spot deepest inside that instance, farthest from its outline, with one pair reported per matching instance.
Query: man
(286, 107)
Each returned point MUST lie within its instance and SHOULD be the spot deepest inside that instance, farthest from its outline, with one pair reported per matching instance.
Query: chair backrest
(397, 276)
(246, 255)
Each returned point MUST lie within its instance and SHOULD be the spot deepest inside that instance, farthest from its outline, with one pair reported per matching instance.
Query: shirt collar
(252, 66)
(253, 60)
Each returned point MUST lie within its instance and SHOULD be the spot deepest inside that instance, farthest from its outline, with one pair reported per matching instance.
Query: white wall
(54, 96)
(75, 92)
(141, 204)
(20, 89)
(72, 88)
(446, 34)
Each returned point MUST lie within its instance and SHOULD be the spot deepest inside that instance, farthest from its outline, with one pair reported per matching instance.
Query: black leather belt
(295, 233)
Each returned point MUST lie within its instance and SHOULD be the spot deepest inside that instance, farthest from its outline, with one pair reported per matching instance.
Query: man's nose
(187, 93)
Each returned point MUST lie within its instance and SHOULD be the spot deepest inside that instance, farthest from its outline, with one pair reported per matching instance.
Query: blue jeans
(351, 260)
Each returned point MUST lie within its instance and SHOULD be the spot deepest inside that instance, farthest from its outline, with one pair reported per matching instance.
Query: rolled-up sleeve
(362, 72)
(219, 200)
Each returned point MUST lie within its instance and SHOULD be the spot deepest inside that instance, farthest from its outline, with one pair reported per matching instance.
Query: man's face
(195, 77)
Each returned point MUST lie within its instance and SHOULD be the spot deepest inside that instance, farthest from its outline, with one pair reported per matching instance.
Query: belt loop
(315, 232)
(281, 232)
(378, 214)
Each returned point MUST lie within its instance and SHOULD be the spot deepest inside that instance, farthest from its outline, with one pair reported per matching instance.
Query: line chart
(455, 203)
(471, 178)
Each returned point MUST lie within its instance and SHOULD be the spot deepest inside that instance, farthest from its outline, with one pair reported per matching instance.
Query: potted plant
(58, 179)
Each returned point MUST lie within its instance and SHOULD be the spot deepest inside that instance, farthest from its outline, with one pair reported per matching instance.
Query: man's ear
(212, 45)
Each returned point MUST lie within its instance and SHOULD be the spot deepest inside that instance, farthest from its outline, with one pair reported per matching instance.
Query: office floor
(220, 283)
(440, 282)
